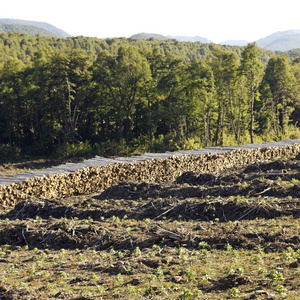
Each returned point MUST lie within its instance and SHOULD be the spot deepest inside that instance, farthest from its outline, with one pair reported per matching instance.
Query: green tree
(170, 86)
(225, 66)
(252, 69)
(281, 82)
(200, 90)
(122, 80)
(12, 92)
(66, 76)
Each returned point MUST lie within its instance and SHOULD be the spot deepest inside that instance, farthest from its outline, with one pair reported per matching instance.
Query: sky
(216, 20)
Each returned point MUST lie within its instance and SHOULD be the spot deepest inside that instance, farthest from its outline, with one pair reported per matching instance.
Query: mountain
(195, 38)
(145, 36)
(42, 25)
(240, 43)
(30, 30)
(281, 40)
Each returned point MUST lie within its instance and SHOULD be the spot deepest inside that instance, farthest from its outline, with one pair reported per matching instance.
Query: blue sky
(217, 20)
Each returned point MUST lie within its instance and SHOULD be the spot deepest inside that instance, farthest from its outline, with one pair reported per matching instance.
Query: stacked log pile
(94, 179)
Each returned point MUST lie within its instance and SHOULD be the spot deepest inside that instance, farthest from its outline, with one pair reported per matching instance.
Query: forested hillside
(24, 47)
(30, 30)
(116, 96)
(41, 25)
(144, 35)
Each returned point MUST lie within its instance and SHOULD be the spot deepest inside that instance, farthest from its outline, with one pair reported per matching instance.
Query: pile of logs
(95, 179)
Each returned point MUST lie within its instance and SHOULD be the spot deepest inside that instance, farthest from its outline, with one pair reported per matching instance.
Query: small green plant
(94, 277)
(163, 242)
(12, 269)
(203, 245)
(204, 280)
(230, 270)
(121, 254)
(262, 271)
(137, 251)
(241, 271)
(119, 279)
(281, 290)
(151, 254)
(62, 253)
(181, 251)
(197, 292)
(294, 180)
(62, 274)
(80, 257)
(190, 274)
(185, 294)
(100, 290)
(32, 270)
(44, 273)
(44, 256)
(276, 276)
(234, 293)
(131, 290)
(115, 219)
(151, 277)
(50, 286)
(228, 247)
(159, 272)
(287, 257)
(258, 259)
(155, 247)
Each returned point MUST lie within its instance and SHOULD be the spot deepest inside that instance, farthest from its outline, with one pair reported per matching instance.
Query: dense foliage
(24, 47)
(119, 95)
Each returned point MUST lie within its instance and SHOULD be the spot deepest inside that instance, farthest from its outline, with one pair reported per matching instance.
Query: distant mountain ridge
(195, 38)
(144, 35)
(30, 30)
(281, 40)
(39, 27)
(235, 43)
(278, 41)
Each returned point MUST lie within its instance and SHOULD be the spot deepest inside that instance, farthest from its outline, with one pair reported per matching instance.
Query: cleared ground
(203, 236)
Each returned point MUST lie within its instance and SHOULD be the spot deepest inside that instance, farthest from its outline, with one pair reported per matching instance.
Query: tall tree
(122, 77)
(252, 68)
(66, 76)
(225, 66)
(281, 82)
(200, 90)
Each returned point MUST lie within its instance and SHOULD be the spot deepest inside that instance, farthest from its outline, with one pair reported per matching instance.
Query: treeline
(24, 47)
(141, 99)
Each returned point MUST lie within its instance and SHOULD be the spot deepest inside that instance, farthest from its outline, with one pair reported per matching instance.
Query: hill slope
(281, 40)
(30, 30)
(48, 27)
(240, 43)
(144, 35)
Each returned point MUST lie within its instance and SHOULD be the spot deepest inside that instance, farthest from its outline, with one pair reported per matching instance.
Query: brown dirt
(249, 208)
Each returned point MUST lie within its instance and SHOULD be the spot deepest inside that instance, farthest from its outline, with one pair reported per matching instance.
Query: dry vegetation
(221, 232)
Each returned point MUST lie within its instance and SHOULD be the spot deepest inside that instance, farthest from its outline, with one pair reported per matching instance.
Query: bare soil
(203, 236)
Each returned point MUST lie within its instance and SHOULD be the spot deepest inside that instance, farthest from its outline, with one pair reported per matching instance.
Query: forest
(81, 96)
